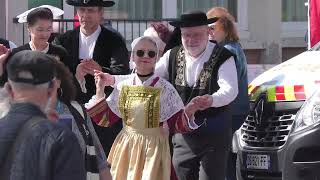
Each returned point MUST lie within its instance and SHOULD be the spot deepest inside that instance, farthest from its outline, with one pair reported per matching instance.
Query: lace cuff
(94, 101)
(191, 123)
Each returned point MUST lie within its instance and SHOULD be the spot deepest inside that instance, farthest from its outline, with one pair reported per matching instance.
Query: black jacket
(49, 151)
(110, 52)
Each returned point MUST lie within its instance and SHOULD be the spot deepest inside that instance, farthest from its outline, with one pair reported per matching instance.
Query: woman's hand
(105, 79)
(102, 79)
(191, 108)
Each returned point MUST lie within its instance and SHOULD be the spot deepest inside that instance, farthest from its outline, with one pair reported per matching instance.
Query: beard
(195, 50)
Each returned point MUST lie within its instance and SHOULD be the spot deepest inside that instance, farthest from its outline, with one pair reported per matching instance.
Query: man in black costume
(94, 47)
(206, 73)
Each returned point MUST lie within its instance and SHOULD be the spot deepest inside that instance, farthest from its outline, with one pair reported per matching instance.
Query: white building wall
(259, 25)
(14, 32)
(3, 19)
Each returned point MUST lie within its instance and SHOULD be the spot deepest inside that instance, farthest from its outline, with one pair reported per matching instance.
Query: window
(136, 9)
(294, 10)
(205, 5)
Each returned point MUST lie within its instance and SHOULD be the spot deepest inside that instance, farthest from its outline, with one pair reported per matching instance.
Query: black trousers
(237, 121)
(107, 135)
(202, 157)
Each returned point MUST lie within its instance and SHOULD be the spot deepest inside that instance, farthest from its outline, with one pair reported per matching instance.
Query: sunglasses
(150, 53)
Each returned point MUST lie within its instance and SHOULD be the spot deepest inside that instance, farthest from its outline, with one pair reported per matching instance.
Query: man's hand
(92, 65)
(203, 102)
(4, 53)
(83, 69)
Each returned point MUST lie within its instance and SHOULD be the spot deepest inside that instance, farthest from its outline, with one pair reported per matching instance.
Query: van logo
(258, 111)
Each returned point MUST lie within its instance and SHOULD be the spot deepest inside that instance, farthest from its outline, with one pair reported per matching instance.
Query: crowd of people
(82, 107)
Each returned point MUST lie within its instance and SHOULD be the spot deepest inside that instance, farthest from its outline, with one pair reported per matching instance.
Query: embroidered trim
(180, 68)
(205, 73)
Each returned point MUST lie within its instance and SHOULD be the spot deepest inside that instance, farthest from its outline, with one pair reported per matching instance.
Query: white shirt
(44, 51)
(87, 44)
(227, 74)
(12, 45)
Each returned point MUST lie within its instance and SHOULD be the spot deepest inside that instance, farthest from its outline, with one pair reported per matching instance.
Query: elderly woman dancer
(150, 107)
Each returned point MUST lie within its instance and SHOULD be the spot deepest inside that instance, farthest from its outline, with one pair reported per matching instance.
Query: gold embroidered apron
(141, 150)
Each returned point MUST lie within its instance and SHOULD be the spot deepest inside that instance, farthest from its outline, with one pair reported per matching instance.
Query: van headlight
(309, 113)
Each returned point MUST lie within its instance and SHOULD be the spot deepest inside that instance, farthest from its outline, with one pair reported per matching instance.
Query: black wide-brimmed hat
(90, 3)
(191, 19)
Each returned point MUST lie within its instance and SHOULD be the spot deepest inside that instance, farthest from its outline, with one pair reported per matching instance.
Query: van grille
(271, 132)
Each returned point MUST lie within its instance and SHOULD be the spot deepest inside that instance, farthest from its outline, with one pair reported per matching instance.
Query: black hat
(90, 3)
(32, 67)
(191, 19)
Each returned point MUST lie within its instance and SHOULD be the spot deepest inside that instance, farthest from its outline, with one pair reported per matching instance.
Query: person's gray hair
(5, 102)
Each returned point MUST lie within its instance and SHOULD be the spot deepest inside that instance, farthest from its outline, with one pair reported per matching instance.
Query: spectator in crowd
(224, 32)
(31, 146)
(39, 22)
(150, 108)
(94, 47)
(205, 73)
(73, 115)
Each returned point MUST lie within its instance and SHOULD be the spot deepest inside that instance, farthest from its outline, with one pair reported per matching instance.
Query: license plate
(255, 161)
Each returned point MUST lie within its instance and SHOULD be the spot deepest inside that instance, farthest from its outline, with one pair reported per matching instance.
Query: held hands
(198, 103)
(203, 102)
(102, 79)
(4, 53)
(87, 66)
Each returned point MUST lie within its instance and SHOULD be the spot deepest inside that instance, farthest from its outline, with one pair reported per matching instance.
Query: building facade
(271, 31)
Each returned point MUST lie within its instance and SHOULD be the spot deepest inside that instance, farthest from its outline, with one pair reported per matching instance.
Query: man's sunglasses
(150, 53)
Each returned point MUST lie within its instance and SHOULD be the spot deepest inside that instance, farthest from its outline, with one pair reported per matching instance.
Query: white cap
(22, 18)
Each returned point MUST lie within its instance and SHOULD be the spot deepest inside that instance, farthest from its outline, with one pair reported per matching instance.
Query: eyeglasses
(150, 53)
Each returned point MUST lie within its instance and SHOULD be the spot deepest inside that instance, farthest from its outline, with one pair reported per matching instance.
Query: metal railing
(129, 29)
